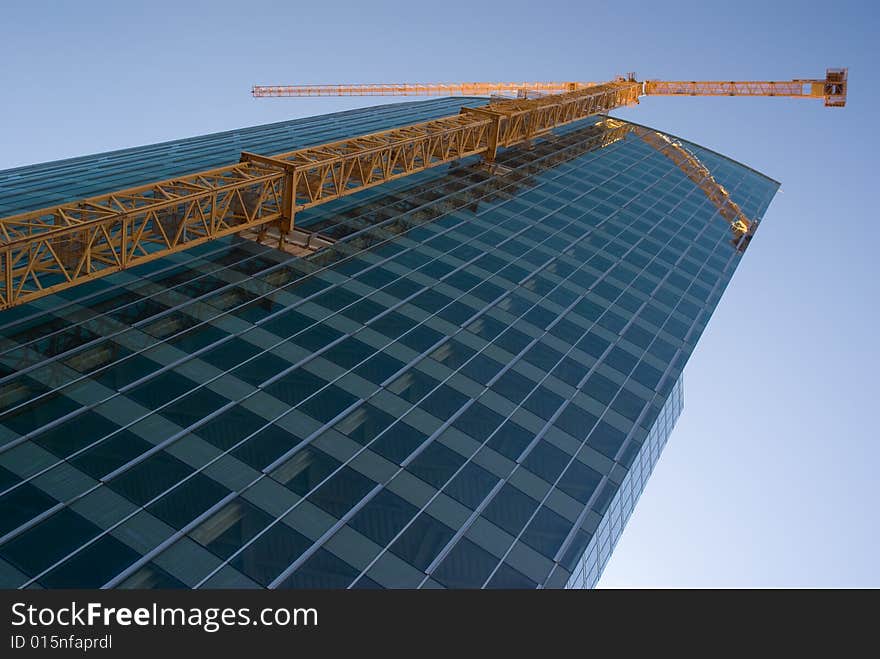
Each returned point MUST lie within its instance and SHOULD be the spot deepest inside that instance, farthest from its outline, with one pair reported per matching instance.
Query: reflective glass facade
(603, 541)
(458, 393)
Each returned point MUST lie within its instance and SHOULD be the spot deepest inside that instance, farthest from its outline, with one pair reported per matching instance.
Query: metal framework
(316, 175)
(55, 248)
(832, 89)
(52, 249)
(420, 89)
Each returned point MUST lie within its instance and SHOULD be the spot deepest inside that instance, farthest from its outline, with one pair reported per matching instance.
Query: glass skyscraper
(468, 388)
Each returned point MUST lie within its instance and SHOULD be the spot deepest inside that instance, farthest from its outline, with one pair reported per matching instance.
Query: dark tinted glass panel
(348, 353)
(266, 446)
(48, 542)
(422, 541)
(188, 500)
(513, 386)
(110, 454)
(161, 389)
(316, 337)
(398, 442)
(82, 430)
(542, 356)
(308, 467)
(579, 481)
(365, 423)
(570, 371)
(296, 386)
(436, 464)
(230, 427)
(321, 570)
(628, 404)
(259, 369)
(507, 577)
(227, 530)
(576, 421)
(379, 368)
(382, 517)
(413, 385)
(267, 556)
(151, 576)
(481, 369)
(600, 388)
(511, 440)
(443, 402)
(453, 354)
(287, 324)
(344, 489)
(471, 485)
(328, 403)
(546, 461)
(510, 509)
(543, 402)
(194, 407)
(21, 505)
(93, 566)
(546, 532)
(478, 421)
(150, 477)
(605, 439)
(466, 566)
(421, 338)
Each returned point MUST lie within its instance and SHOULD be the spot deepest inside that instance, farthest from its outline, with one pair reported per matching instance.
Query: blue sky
(770, 477)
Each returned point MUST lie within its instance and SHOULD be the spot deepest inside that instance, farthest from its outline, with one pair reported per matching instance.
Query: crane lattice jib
(832, 88)
(418, 89)
(56, 248)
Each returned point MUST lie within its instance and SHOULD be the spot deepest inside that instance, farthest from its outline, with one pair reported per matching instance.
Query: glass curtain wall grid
(600, 546)
(458, 393)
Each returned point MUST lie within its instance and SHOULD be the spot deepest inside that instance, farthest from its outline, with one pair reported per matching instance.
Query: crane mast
(55, 248)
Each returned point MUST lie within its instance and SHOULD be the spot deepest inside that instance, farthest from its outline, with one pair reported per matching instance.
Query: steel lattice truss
(52, 249)
(832, 89)
(420, 89)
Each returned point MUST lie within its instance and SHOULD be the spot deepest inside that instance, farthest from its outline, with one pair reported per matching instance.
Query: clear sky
(770, 478)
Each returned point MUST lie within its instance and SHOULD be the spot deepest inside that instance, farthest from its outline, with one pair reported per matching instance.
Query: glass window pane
(466, 566)
(271, 553)
(227, 530)
(48, 542)
(546, 461)
(546, 532)
(436, 464)
(344, 489)
(511, 440)
(579, 481)
(510, 509)
(422, 541)
(471, 485)
(93, 566)
(321, 570)
(305, 469)
(383, 517)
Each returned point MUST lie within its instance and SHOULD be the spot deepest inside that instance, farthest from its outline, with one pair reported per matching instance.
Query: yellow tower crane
(832, 88)
(55, 248)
